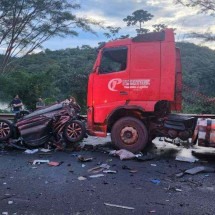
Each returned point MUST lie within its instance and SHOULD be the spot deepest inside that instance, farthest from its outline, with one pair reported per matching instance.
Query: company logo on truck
(133, 83)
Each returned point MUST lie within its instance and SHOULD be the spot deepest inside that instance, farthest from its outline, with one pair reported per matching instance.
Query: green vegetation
(55, 75)
(27, 24)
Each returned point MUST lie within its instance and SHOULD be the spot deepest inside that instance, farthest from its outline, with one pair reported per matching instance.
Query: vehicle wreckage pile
(59, 124)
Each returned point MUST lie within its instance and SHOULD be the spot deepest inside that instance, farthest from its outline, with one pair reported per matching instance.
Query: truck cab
(134, 83)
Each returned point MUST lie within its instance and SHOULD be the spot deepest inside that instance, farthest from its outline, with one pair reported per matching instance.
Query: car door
(111, 85)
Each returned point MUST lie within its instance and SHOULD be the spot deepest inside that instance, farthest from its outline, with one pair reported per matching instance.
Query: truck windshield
(113, 60)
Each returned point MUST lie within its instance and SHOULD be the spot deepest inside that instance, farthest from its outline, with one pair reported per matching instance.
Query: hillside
(198, 65)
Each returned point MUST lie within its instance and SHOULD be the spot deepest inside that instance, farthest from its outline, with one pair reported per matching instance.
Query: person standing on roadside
(40, 103)
(16, 104)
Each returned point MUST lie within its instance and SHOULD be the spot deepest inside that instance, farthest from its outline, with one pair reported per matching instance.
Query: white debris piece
(40, 161)
(123, 154)
(96, 176)
(29, 152)
(119, 206)
(45, 150)
(186, 159)
(81, 178)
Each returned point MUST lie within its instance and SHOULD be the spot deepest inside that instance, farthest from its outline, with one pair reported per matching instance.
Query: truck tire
(74, 131)
(129, 133)
(5, 129)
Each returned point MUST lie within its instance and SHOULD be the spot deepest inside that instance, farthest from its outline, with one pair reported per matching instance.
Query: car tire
(74, 131)
(6, 129)
(129, 133)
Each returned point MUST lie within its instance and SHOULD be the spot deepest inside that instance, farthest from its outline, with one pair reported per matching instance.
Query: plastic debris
(178, 190)
(155, 181)
(40, 161)
(186, 159)
(45, 150)
(83, 159)
(99, 168)
(29, 152)
(96, 176)
(123, 154)
(54, 163)
(179, 174)
(110, 171)
(83, 165)
(81, 178)
(153, 164)
(10, 202)
(196, 170)
(133, 171)
(119, 206)
(199, 169)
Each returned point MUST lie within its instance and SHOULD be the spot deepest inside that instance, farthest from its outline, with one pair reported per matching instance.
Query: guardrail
(8, 116)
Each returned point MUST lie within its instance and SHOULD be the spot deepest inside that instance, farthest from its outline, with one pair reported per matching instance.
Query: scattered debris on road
(10, 202)
(54, 163)
(83, 159)
(156, 181)
(96, 176)
(119, 206)
(31, 151)
(123, 154)
(81, 178)
(199, 169)
(186, 159)
(99, 168)
(40, 161)
(196, 170)
(178, 190)
(133, 171)
(110, 171)
(45, 150)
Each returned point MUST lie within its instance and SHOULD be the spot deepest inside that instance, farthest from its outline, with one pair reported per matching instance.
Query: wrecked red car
(61, 122)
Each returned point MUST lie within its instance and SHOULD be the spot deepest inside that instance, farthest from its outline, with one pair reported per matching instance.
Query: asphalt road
(41, 189)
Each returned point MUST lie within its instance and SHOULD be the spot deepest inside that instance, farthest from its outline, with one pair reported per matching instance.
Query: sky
(112, 12)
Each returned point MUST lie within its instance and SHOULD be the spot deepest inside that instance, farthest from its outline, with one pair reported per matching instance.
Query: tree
(26, 24)
(112, 32)
(202, 6)
(138, 18)
(159, 27)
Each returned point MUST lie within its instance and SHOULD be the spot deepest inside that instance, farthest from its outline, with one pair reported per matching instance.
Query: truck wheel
(129, 133)
(74, 131)
(5, 129)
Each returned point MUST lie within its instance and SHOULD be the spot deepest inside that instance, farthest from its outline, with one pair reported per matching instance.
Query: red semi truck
(134, 85)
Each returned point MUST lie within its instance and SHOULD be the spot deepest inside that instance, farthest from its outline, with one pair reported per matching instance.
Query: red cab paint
(131, 77)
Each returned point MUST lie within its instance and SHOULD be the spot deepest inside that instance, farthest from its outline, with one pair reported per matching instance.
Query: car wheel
(74, 131)
(129, 133)
(5, 129)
